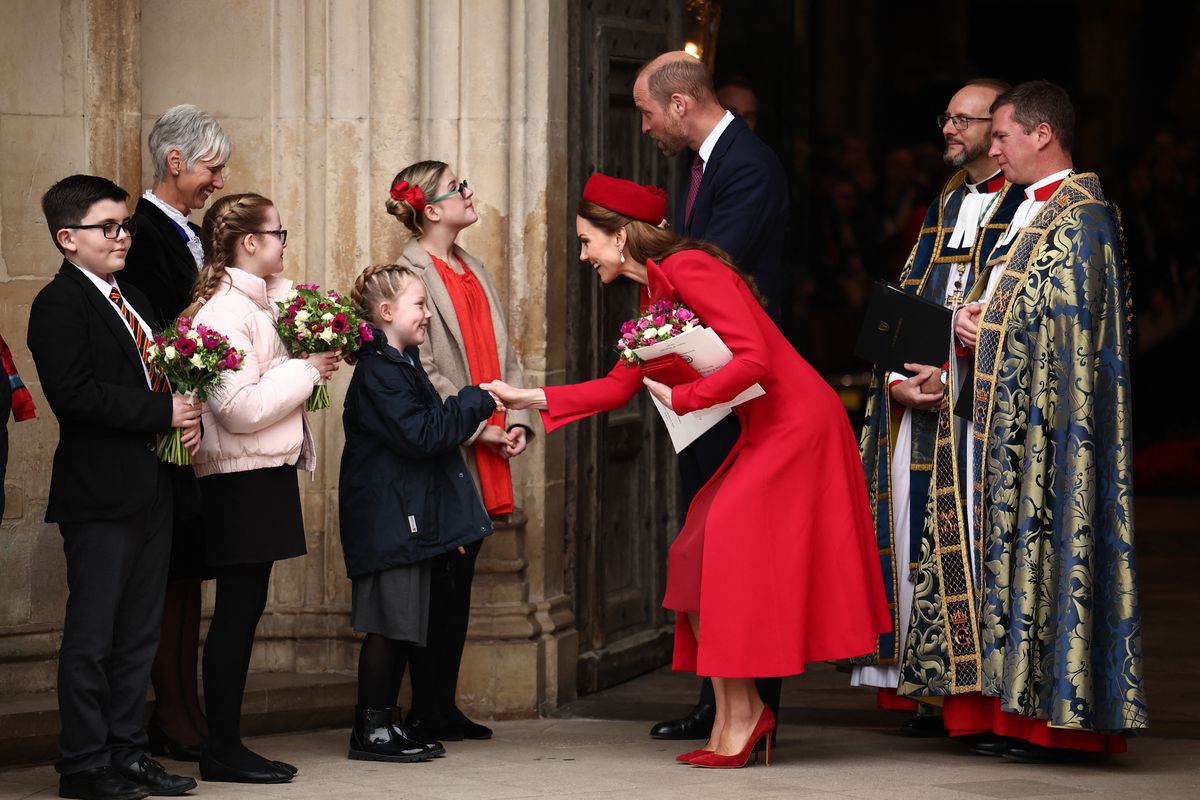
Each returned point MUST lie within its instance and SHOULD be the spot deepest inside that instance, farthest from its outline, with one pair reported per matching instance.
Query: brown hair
(230, 218)
(646, 241)
(424, 174)
(1035, 102)
(374, 285)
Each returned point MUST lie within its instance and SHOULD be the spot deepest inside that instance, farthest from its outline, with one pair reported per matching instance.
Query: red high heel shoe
(762, 729)
(687, 757)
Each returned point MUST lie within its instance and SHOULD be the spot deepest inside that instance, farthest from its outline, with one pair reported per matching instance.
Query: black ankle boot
(375, 738)
(408, 732)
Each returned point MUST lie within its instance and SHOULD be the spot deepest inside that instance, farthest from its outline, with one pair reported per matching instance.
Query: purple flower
(211, 339)
(185, 346)
(643, 323)
(301, 335)
(183, 324)
(312, 287)
(364, 332)
(316, 327)
(338, 323)
(627, 327)
(683, 315)
(233, 359)
(658, 320)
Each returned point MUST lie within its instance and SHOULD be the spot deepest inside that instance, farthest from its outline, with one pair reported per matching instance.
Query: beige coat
(444, 356)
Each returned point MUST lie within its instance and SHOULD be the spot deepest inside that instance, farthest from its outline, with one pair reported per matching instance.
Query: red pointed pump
(762, 729)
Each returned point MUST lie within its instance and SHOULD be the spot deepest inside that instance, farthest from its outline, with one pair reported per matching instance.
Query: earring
(622, 252)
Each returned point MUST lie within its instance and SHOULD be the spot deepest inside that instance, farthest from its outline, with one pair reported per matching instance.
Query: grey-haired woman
(189, 151)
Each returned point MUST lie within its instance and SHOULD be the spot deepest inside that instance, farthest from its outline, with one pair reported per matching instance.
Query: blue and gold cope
(927, 274)
(1044, 615)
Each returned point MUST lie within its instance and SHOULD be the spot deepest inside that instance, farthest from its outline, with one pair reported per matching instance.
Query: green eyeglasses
(460, 189)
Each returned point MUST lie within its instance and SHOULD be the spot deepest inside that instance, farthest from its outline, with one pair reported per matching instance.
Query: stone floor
(833, 741)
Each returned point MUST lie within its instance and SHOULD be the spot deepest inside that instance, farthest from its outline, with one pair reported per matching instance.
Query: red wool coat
(777, 552)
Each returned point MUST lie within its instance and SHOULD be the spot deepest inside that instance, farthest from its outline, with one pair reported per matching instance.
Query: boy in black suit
(109, 493)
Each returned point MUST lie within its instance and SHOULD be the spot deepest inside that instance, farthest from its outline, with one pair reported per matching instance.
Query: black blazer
(741, 207)
(404, 493)
(105, 465)
(160, 264)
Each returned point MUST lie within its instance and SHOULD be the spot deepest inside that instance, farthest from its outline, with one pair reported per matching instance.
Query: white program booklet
(704, 351)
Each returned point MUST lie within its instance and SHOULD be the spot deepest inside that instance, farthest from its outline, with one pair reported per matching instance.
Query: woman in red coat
(809, 589)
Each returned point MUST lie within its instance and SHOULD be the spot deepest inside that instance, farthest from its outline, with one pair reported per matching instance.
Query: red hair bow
(403, 191)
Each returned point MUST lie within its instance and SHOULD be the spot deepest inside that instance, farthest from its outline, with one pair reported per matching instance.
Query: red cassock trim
(971, 714)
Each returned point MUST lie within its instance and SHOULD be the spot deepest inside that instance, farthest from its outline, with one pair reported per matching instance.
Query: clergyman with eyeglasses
(959, 230)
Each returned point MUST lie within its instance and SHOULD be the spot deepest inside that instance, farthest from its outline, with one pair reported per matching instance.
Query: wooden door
(622, 476)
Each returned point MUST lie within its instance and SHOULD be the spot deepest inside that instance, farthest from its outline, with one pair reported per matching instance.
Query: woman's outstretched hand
(660, 391)
(514, 398)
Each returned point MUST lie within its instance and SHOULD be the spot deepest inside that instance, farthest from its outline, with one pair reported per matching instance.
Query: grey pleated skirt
(393, 603)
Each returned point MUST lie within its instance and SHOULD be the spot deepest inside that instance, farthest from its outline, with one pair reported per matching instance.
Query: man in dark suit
(88, 337)
(735, 197)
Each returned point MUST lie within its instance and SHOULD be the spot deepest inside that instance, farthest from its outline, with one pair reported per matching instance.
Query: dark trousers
(697, 463)
(433, 669)
(116, 576)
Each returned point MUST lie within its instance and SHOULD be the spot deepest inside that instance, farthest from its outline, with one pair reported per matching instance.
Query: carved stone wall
(324, 100)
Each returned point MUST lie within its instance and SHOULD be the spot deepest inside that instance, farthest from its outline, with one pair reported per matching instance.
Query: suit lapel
(108, 313)
(713, 166)
(182, 262)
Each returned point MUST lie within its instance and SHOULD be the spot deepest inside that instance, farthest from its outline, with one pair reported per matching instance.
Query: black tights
(434, 667)
(381, 664)
(241, 598)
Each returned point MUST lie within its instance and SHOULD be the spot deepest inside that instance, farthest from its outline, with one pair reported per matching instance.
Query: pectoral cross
(956, 295)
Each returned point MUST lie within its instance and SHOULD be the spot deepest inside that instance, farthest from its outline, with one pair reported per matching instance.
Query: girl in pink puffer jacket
(255, 437)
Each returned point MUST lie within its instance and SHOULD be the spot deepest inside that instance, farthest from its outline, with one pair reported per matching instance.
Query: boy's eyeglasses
(460, 189)
(111, 230)
(281, 233)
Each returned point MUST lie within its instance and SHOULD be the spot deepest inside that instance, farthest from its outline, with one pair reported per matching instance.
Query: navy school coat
(405, 494)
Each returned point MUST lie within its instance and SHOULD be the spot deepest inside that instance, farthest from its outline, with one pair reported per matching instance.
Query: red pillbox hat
(629, 199)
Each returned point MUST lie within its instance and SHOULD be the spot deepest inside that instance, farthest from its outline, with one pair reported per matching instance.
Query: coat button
(150, 446)
(460, 475)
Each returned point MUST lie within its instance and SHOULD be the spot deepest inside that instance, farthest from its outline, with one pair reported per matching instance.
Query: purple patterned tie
(697, 174)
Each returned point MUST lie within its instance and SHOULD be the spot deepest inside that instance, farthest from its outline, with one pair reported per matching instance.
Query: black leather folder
(901, 328)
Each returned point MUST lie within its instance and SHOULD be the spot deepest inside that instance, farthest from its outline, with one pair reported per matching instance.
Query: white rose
(302, 316)
(196, 360)
(687, 326)
(170, 352)
(327, 334)
(665, 330)
(327, 316)
(152, 351)
(627, 354)
(195, 337)
(291, 295)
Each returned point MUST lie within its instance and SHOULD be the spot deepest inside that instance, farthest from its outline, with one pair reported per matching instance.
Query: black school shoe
(453, 727)
(1029, 753)
(150, 775)
(923, 726)
(101, 783)
(696, 725)
(376, 738)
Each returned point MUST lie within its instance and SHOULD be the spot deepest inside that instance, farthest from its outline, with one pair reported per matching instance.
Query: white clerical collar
(710, 142)
(1030, 206)
(193, 241)
(975, 210)
(1031, 189)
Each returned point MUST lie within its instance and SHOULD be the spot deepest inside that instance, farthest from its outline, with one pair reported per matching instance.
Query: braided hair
(423, 174)
(374, 285)
(229, 219)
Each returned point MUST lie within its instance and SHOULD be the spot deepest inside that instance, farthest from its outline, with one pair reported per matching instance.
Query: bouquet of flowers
(658, 323)
(193, 359)
(314, 322)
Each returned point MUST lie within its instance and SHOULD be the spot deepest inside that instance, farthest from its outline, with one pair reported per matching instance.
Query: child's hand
(185, 415)
(516, 443)
(495, 438)
(326, 363)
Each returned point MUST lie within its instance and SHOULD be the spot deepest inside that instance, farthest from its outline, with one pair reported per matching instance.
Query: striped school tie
(158, 381)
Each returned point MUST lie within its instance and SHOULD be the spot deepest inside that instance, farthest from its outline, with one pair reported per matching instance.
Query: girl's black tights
(381, 664)
(241, 598)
